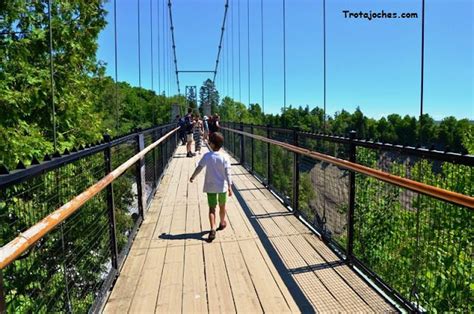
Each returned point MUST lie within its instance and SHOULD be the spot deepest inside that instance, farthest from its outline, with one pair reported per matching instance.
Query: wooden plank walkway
(266, 260)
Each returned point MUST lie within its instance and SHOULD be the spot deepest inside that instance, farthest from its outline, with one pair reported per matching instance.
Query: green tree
(428, 132)
(208, 94)
(230, 110)
(191, 98)
(25, 98)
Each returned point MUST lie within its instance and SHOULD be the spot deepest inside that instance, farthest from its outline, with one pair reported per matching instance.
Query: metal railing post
(252, 149)
(162, 158)
(140, 175)
(242, 145)
(269, 158)
(111, 205)
(177, 139)
(155, 160)
(3, 296)
(296, 174)
(350, 212)
(233, 139)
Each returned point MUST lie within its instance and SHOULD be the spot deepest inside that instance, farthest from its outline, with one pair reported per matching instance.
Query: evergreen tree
(209, 95)
(191, 98)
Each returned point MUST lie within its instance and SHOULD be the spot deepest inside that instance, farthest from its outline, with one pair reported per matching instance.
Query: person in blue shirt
(181, 131)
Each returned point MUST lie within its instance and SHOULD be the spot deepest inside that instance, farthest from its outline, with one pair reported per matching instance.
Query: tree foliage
(448, 133)
(208, 95)
(25, 97)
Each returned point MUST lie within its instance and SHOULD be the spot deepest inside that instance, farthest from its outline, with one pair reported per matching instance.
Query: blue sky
(371, 64)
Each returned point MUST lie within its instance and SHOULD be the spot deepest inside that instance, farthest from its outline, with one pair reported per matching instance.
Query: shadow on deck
(266, 260)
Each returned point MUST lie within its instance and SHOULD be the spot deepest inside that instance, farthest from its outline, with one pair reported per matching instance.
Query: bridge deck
(266, 260)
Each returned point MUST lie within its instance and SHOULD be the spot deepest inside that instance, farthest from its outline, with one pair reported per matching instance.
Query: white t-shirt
(218, 177)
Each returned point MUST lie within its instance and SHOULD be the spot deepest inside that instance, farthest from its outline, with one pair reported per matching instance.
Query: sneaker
(189, 154)
(221, 226)
(212, 236)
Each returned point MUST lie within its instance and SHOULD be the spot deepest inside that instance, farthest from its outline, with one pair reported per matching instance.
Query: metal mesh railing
(247, 148)
(420, 246)
(281, 165)
(416, 247)
(61, 272)
(324, 187)
(70, 268)
(260, 155)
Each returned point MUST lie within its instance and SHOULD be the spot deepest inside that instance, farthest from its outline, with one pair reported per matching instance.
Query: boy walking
(217, 182)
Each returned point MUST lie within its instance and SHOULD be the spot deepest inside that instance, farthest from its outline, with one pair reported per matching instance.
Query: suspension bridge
(116, 226)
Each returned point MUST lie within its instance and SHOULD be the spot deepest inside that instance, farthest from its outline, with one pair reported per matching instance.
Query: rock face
(331, 200)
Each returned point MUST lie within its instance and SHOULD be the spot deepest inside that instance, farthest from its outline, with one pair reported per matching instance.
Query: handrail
(439, 193)
(17, 176)
(13, 249)
(458, 158)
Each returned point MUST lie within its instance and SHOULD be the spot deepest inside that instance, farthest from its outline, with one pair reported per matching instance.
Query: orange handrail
(12, 250)
(439, 193)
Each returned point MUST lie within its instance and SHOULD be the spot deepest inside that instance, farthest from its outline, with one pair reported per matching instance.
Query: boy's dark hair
(190, 110)
(217, 139)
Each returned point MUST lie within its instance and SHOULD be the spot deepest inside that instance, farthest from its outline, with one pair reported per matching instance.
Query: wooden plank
(367, 293)
(243, 217)
(329, 277)
(122, 294)
(243, 290)
(241, 225)
(253, 185)
(278, 280)
(280, 216)
(144, 299)
(270, 296)
(315, 291)
(218, 286)
(178, 226)
(194, 284)
(267, 223)
(171, 285)
(292, 219)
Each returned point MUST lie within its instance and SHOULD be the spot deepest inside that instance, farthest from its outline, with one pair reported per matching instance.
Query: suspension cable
(139, 49)
(220, 40)
(422, 64)
(232, 47)
(168, 75)
(284, 55)
(248, 48)
(263, 69)
(151, 46)
(117, 111)
(240, 77)
(169, 60)
(163, 22)
(174, 46)
(227, 60)
(224, 67)
(324, 65)
(158, 43)
(51, 73)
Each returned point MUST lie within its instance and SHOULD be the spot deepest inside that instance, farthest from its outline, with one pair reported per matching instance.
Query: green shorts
(212, 199)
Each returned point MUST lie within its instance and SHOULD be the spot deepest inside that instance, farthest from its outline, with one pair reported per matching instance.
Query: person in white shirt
(217, 182)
